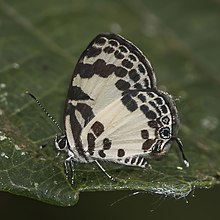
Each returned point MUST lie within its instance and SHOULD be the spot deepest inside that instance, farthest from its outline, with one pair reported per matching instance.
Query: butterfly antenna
(180, 145)
(44, 110)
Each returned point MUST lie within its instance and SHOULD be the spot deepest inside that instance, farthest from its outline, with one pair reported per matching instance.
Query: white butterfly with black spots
(114, 111)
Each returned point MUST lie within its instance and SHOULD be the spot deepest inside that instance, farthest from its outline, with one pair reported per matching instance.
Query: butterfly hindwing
(122, 130)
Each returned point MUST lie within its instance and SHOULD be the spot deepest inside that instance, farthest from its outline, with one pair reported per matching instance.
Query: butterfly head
(61, 142)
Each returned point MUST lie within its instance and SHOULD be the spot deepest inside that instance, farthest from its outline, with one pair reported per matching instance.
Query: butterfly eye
(61, 142)
(165, 133)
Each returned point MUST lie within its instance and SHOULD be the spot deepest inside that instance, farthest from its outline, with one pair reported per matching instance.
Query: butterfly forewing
(113, 109)
(109, 66)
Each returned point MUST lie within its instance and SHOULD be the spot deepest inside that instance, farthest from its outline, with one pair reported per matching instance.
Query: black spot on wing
(118, 55)
(155, 106)
(141, 68)
(91, 143)
(164, 109)
(126, 63)
(98, 128)
(127, 159)
(138, 86)
(100, 41)
(159, 101)
(93, 52)
(76, 93)
(133, 160)
(151, 114)
(132, 57)
(109, 49)
(150, 94)
(148, 113)
(106, 144)
(122, 85)
(147, 144)
(99, 67)
(121, 152)
(120, 71)
(134, 75)
(144, 109)
(142, 97)
(113, 43)
(102, 153)
(144, 134)
(146, 83)
(153, 124)
(84, 70)
(129, 103)
(123, 49)
(102, 69)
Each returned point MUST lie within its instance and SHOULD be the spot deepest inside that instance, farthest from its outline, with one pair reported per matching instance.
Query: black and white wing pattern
(114, 110)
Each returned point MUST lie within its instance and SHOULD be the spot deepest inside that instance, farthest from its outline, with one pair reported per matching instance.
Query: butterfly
(114, 111)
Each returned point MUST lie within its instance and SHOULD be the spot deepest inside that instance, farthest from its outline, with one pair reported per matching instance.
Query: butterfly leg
(104, 171)
(69, 168)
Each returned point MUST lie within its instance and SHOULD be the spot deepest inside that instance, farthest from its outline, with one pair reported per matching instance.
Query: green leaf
(40, 43)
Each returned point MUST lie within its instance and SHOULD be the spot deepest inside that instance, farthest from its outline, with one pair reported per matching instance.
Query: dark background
(204, 205)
